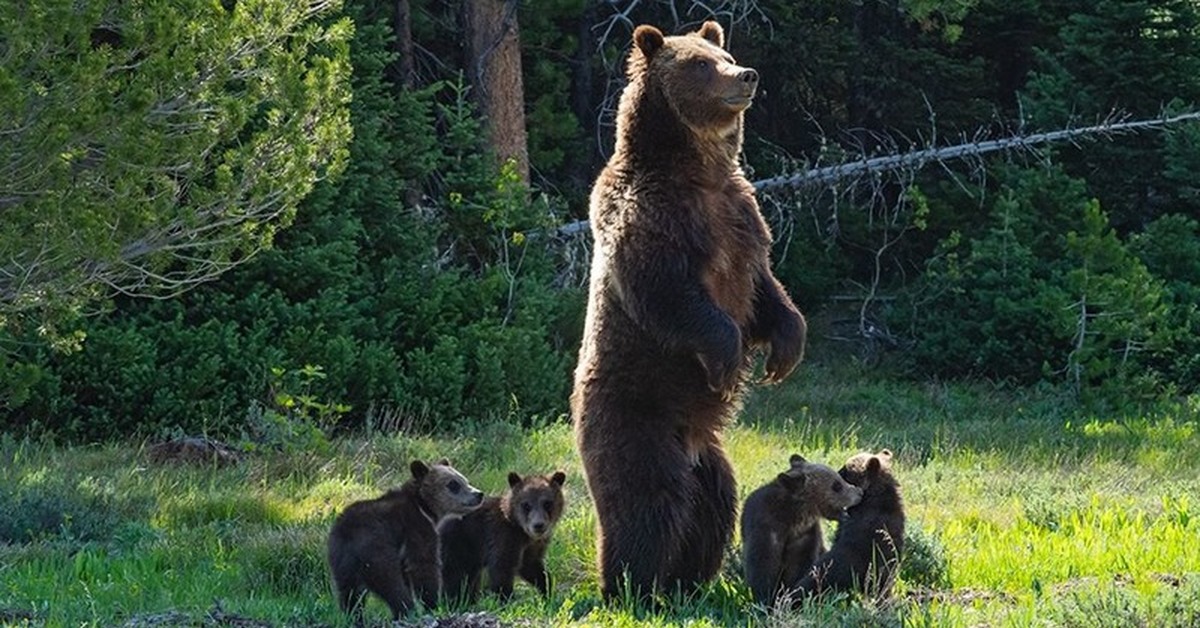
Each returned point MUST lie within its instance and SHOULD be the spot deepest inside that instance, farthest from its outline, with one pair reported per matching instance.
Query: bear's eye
(454, 486)
(701, 64)
(837, 487)
(548, 505)
(526, 507)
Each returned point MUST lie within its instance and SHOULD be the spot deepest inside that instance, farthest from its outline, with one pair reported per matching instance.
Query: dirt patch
(466, 620)
(960, 597)
(213, 618)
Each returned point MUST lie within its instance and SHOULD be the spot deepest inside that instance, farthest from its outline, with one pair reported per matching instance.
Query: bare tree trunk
(405, 70)
(402, 27)
(582, 85)
(494, 68)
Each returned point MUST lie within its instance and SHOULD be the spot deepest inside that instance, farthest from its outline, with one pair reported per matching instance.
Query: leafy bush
(433, 312)
(55, 512)
(924, 563)
(1047, 291)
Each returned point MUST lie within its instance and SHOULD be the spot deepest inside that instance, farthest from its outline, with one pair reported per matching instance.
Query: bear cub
(389, 545)
(507, 536)
(781, 525)
(866, 551)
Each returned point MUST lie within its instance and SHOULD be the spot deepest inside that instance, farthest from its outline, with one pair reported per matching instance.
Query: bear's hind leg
(710, 528)
(643, 512)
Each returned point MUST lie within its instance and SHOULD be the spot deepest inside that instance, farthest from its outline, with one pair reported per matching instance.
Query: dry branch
(915, 160)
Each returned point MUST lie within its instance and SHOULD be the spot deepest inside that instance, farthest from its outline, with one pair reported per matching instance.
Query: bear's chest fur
(738, 246)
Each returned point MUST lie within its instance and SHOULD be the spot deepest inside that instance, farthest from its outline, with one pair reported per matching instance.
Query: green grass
(1022, 510)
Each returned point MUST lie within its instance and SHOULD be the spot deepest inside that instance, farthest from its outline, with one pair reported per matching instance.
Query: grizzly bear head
(443, 489)
(819, 487)
(700, 82)
(871, 472)
(535, 502)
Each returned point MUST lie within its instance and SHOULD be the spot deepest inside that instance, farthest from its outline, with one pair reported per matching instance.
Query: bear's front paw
(723, 364)
(787, 348)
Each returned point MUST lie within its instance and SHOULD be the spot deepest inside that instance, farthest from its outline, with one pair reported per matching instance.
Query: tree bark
(582, 86)
(494, 71)
(402, 27)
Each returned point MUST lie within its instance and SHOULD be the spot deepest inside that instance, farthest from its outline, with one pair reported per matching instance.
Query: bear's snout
(749, 76)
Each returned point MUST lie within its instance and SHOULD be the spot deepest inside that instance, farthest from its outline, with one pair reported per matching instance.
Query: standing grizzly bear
(865, 556)
(507, 536)
(389, 545)
(781, 525)
(681, 294)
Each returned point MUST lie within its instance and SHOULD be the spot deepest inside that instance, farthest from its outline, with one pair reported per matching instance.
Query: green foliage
(1170, 249)
(1047, 292)
(367, 306)
(1120, 311)
(1122, 56)
(55, 513)
(148, 146)
(924, 563)
(296, 419)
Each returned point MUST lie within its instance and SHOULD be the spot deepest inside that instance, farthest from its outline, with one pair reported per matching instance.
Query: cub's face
(818, 484)
(866, 469)
(444, 490)
(535, 502)
(705, 87)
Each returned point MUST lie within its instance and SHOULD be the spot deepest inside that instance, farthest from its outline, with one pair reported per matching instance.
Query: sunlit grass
(1039, 515)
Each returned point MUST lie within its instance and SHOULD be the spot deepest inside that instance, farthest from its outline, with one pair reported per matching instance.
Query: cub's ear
(513, 478)
(713, 32)
(791, 482)
(419, 469)
(797, 460)
(445, 462)
(648, 39)
(558, 478)
(873, 466)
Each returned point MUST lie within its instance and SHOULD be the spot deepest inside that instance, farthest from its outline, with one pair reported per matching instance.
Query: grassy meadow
(1022, 512)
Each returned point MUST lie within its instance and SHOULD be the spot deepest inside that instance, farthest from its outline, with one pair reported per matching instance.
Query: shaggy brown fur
(389, 545)
(781, 525)
(865, 556)
(681, 294)
(507, 536)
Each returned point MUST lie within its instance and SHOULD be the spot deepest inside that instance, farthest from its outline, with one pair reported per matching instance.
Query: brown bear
(781, 525)
(865, 556)
(507, 536)
(681, 293)
(389, 545)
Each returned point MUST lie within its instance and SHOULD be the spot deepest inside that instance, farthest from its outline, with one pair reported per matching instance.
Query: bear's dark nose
(539, 527)
(477, 498)
(749, 76)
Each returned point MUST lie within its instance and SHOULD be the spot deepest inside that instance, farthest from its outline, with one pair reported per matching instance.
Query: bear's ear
(713, 32)
(418, 468)
(445, 462)
(797, 460)
(873, 466)
(648, 39)
(791, 482)
(513, 478)
(558, 478)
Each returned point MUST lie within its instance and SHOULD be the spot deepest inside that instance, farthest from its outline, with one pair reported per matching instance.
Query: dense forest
(394, 254)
